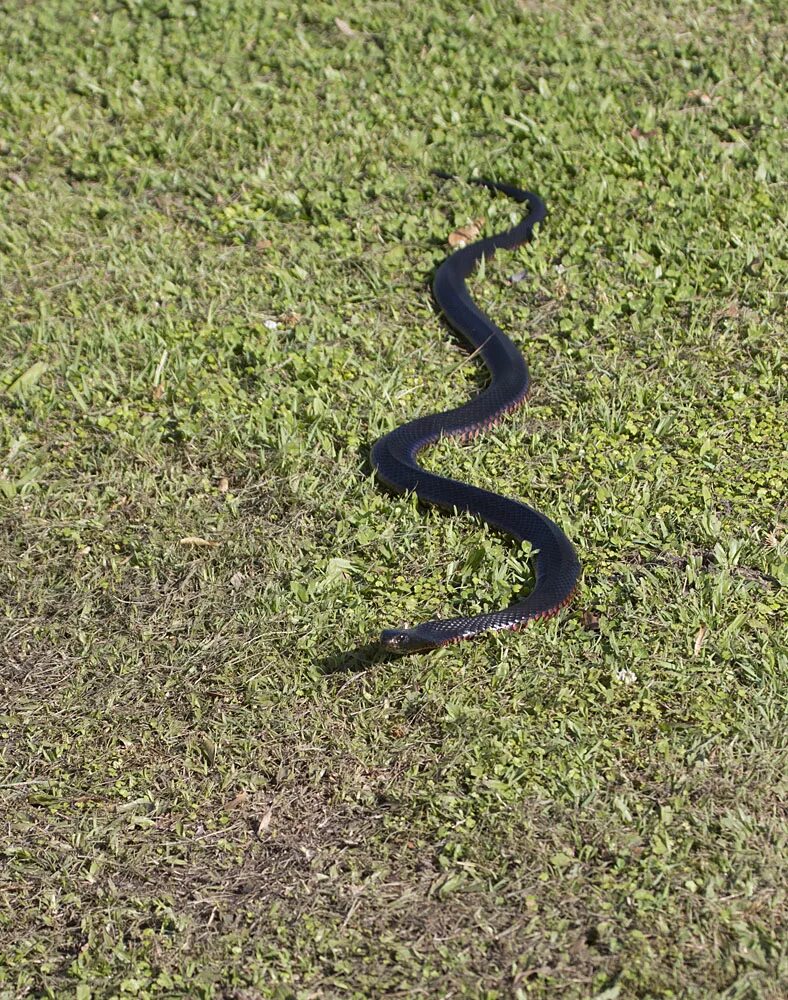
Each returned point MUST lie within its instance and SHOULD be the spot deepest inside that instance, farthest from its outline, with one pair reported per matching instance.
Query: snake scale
(394, 456)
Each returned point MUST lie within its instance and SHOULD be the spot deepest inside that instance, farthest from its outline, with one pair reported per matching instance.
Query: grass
(217, 229)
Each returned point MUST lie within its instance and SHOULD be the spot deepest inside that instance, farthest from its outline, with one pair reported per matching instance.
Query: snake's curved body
(557, 568)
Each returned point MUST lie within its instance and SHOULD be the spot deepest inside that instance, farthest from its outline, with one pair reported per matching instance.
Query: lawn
(218, 225)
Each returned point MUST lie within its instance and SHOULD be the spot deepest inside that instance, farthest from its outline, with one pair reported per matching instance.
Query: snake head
(404, 641)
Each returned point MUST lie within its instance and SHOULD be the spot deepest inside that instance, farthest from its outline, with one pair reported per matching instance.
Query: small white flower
(626, 676)
(270, 324)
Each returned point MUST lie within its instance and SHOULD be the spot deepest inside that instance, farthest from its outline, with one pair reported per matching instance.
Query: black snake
(394, 455)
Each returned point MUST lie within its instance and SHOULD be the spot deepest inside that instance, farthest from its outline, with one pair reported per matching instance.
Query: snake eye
(394, 640)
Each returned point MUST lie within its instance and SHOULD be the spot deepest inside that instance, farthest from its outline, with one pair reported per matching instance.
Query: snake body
(394, 456)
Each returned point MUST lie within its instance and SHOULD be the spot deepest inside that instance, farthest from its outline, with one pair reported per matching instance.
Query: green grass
(217, 230)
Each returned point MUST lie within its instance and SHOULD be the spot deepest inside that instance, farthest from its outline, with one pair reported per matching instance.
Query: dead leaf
(731, 311)
(158, 391)
(199, 542)
(263, 244)
(223, 485)
(260, 824)
(466, 234)
(344, 28)
(699, 639)
(239, 800)
(701, 97)
(590, 620)
(637, 134)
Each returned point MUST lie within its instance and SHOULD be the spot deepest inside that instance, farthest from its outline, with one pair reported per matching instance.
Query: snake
(394, 456)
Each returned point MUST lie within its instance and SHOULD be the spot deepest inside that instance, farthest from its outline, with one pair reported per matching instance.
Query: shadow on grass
(353, 661)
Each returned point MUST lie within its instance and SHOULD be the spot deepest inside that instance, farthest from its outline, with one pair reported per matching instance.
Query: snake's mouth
(404, 641)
